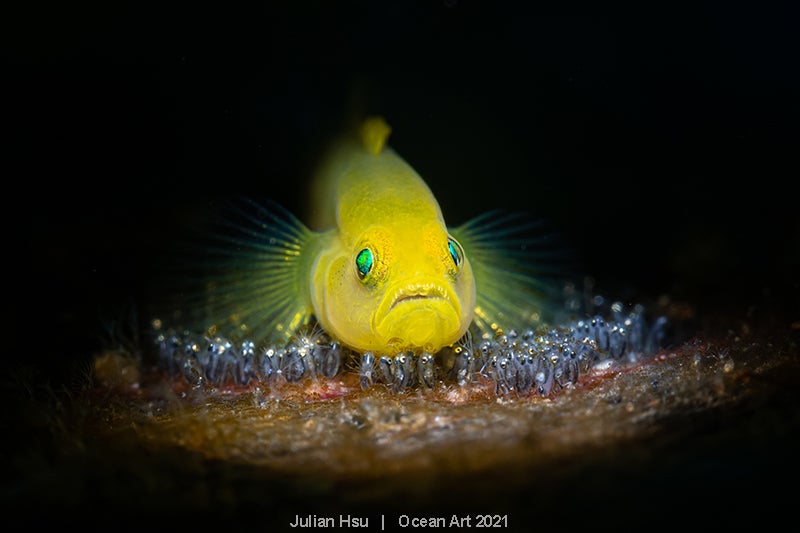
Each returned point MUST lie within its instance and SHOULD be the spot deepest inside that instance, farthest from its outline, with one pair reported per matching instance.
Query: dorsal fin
(374, 133)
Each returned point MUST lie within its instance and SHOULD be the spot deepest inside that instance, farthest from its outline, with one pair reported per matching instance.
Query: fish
(376, 267)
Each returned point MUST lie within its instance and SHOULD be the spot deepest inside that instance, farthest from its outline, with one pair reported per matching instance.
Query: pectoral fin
(517, 265)
(251, 279)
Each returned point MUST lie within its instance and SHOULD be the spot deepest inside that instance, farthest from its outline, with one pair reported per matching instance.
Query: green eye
(455, 252)
(364, 261)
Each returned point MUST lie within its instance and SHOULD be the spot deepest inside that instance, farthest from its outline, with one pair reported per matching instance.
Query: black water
(661, 144)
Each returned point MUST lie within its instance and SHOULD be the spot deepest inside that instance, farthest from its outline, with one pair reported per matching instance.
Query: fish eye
(364, 261)
(455, 251)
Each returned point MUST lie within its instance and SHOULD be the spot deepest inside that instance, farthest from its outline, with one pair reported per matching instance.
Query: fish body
(414, 289)
(381, 271)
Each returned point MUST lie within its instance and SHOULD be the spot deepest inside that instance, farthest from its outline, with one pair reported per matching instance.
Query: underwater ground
(658, 145)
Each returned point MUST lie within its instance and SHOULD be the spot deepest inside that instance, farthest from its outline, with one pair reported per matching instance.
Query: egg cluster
(539, 361)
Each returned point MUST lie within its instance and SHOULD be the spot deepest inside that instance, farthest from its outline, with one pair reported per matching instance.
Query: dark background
(660, 143)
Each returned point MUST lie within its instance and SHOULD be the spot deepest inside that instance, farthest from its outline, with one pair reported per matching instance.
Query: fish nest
(154, 443)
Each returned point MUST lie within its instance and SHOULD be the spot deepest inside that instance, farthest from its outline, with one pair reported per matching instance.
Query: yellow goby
(381, 271)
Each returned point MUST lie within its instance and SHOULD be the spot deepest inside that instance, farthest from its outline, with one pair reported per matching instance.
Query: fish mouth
(417, 313)
(417, 292)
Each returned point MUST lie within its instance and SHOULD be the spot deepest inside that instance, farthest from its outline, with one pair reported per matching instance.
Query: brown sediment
(140, 443)
(334, 427)
(331, 431)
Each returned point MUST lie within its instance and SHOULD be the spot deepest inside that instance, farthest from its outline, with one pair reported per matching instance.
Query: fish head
(399, 287)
